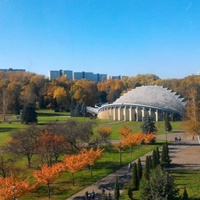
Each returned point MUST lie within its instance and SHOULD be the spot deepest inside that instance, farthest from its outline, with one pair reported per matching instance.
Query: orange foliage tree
(120, 147)
(149, 138)
(74, 163)
(50, 146)
(14, 187)
(124, 131)
(91, 156)
(104, 132)
(129, 141)
(48, 174)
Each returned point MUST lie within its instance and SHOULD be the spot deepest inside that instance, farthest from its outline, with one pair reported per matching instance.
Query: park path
(184, 155)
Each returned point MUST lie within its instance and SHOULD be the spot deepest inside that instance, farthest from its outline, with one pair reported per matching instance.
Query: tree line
(20, 88)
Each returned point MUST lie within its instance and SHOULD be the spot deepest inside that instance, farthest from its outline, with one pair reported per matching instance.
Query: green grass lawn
(62, 187)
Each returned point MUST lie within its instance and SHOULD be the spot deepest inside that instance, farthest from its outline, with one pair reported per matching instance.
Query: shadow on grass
(6, 129)
(56, 114)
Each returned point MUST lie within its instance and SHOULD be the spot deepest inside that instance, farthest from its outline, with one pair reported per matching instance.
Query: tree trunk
(48, 190)
(73, 179)
(90, 170)
(29, 161)
(120, 157)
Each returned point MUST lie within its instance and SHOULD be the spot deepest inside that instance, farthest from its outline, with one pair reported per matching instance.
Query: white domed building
(145, 101)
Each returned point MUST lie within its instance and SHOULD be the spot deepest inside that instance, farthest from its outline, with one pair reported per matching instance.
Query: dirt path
(184, 155)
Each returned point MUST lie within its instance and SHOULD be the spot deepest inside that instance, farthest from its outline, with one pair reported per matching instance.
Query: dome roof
(153, 96)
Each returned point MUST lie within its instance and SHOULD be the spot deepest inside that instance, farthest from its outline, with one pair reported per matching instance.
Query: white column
(156, 112)
(130, 113)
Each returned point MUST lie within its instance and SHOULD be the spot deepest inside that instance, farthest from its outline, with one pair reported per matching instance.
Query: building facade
(144, 101)
(90, 76)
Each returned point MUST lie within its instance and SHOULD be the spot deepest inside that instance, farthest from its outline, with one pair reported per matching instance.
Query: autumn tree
(91, 156)
(111, 89)
(104, 133)
(6, 166)
(192, 118)
(60, 95)
(149, 138)
(29, 94)
(74, 163)
(5, 98)
(14, 187)
(74, 132)
(14, 90)
(119, 147)
(50, 146)
(24, 142)
(124, 131)
(47, 174)
(84, 91)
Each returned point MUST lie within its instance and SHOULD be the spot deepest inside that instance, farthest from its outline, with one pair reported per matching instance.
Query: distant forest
(61, 94)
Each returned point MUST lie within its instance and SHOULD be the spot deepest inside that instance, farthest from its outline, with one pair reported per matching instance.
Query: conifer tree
(168, 126)
(148, 126)
(29, 115)
(146, 168)
(160, 185)
(139, 169)
(116, 190)
(150, 163)
(154, 159)
(135, 180)
(185, 195)
(130, 192)
(158, 156)
(165, 159)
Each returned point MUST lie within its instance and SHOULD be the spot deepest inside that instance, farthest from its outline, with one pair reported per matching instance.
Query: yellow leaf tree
(191, 122)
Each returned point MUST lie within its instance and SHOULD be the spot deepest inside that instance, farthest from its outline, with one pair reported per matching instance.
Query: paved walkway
(184, 154)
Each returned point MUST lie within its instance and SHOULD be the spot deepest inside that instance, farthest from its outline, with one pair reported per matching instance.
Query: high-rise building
(90, 76)
(13, 70)
(53, 74)
(68, 74)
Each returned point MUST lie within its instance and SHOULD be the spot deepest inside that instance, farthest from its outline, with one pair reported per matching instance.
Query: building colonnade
(130, 113)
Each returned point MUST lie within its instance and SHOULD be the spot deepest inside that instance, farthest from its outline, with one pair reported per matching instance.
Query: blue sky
(114, 37)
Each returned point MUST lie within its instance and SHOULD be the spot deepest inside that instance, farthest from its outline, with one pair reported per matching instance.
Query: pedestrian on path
(93, 195)
(129, 167)
(86, 195)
